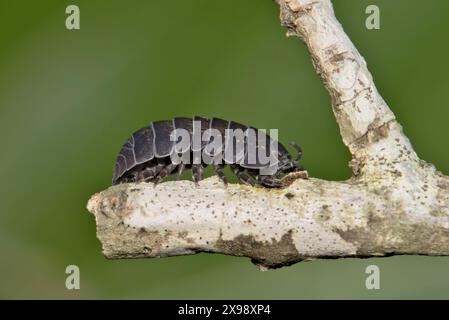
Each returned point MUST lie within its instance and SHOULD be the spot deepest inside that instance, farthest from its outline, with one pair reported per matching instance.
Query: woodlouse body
(150, 153)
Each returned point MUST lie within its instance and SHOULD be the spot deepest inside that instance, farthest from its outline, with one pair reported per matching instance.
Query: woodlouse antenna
(298, 150)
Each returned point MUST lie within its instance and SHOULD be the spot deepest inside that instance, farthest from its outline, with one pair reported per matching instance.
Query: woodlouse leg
(298, 150)
(219, 171)
(197, 173)
(128, 179)
(181, 168)
(166, 171)
(242, 175)
(270, 181)
(149, 173)
(254, 175)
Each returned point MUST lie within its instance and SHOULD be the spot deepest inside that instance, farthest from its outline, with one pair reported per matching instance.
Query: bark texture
(395, 203)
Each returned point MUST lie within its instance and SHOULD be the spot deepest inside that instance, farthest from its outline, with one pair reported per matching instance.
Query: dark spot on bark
(289, 195)
(269, 254)
(114, 201)
(293, 176)
(395, 235)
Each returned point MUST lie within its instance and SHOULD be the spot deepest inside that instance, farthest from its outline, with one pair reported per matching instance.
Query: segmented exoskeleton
(147, 155)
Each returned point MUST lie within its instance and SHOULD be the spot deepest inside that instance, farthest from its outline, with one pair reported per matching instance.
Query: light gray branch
(395, 203)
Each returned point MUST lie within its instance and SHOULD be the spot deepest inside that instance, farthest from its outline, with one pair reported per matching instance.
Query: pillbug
(149, 154)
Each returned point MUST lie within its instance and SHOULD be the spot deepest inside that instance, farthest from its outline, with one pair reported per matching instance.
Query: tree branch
(395, 203)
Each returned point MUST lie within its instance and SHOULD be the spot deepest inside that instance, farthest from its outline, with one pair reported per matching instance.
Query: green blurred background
(69, 99)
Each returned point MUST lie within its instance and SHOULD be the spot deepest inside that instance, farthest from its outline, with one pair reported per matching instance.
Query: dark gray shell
(264, 148)
(163, 144)
(138, 149)
(155, 142)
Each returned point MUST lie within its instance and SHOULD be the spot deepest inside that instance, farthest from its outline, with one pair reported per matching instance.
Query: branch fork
(395, 203)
